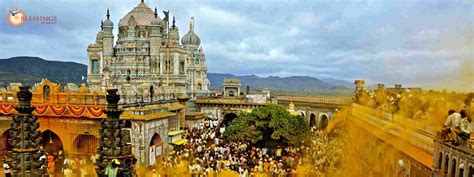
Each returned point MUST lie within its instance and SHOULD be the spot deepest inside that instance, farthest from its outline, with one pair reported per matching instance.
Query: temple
(147, 61)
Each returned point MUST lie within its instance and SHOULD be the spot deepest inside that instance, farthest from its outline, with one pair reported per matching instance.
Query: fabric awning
(180, 142)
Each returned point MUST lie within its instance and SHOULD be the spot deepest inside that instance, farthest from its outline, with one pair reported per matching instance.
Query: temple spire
(143, 1)
(174, 21)
(108, 14)
(191, 24)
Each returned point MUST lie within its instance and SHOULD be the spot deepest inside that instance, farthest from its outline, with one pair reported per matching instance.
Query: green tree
(269, 126)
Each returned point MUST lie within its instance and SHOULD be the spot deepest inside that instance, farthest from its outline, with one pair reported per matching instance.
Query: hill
(293, 84)
(30, 70)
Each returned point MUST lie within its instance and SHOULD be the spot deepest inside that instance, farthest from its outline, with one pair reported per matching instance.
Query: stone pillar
(359, 89)
(112, 145)
(161, 63)
(175, 63)
(25, 139)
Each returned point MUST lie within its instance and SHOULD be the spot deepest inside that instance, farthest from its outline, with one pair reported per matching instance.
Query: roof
(127, 115)
(174, 133)
(174, 107)
(142, 16)
(195, 115)
(180, 142)
(231, 80)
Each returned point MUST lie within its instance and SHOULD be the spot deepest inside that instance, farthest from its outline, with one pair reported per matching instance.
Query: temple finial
(101, 24)
(143, 1)
(156, 13)
(108, 14)
(174, 21)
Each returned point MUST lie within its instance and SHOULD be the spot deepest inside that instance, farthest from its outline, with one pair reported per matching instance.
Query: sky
(414, 43)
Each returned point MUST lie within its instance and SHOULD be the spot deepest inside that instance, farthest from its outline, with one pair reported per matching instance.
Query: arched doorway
(85, 144)
(231, 93)
(471, 171)
(51, 142)
(4, 145)
(156, 148)
(453, 169)
(440, 161)
(446, 163)
(155, 140)
(312, 120)
(227, 119)
(324, 121)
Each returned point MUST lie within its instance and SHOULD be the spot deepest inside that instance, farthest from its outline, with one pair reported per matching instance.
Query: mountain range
(30, 70)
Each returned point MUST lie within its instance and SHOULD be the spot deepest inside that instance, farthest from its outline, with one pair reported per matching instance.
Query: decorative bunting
(41, 109)
(6, 108)
(76, 110)
(96, 111)
(53, 110)
(58, 110)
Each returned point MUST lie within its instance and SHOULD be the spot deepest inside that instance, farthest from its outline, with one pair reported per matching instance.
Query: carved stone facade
(69, 116)
(147, 62)
(25, 139)
(450, 160)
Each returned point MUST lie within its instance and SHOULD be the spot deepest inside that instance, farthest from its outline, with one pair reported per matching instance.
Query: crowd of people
(416, 103)
(208, 154)
(60, 164)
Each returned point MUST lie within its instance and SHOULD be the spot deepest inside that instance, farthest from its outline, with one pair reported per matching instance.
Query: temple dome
(141, 14)
(108, 23)
(156, 21)
(190, 38)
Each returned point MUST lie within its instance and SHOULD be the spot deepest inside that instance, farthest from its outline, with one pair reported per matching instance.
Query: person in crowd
(6, 169)
(465, 126)
(126, 170)
(446, 130)
(59, 161)
(453, 123)
(51, 165)
(113, 168)
(67, 171)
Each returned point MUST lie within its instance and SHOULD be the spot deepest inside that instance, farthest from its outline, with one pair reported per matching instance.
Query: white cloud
(294, 31)
(308, 19)
(426, 35)
(334, 26)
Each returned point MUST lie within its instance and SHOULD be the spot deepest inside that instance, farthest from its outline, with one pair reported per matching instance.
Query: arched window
(46, 91)
(324, 121)
(181, 67)
(85, 144)
(312, 120)
(199, 86)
